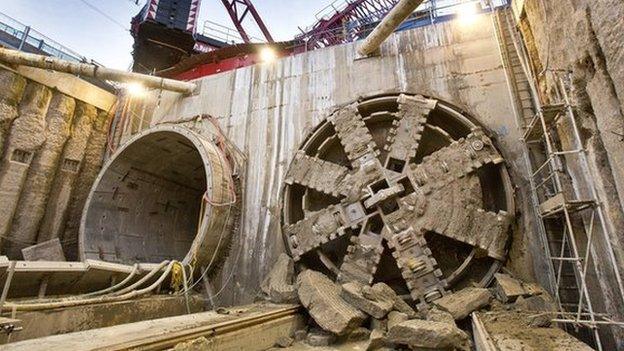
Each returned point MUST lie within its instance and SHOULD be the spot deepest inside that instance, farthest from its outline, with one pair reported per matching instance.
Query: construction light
(135, 89)
(467, 13)
(267, 54)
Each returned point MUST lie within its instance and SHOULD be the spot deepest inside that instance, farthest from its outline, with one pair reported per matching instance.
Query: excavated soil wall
(52, 146)
(587, 38)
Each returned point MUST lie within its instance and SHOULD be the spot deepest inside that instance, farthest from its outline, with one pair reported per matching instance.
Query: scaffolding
(571, 220)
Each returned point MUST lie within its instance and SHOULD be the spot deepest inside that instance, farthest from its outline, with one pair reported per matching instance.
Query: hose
(133, 272)
(106, 298)
(145, 278)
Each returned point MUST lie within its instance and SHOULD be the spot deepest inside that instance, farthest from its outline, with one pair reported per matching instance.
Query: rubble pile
(381, 319)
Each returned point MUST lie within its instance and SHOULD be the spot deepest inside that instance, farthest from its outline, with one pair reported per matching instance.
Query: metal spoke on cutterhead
(314, 230)
(354, 136)
(418, 266)
(461, 158)
(455, 211)
(485, 230)
(404, 137)
(410, 249)
(364, 252)
(317, 174)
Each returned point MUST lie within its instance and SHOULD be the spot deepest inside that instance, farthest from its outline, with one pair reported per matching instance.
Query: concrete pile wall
(267, 111)
(52, 148)
(587, 38)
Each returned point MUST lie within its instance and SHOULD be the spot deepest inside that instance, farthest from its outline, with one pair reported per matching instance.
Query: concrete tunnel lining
(146, 203)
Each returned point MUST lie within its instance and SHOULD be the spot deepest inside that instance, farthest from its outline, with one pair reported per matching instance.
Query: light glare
(467, 13)
(267, 54)
(135, 89)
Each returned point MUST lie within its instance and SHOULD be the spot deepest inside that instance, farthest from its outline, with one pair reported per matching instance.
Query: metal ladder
(570, 214)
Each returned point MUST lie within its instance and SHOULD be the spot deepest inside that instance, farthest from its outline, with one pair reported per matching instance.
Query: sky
(105, 37)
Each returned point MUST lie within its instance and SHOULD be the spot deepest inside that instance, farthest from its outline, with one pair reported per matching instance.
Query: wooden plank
(483, 341)
(552, 204)
(256, 327)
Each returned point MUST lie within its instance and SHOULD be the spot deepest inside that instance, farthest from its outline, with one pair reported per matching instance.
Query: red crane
(164, 31)
(238, 10)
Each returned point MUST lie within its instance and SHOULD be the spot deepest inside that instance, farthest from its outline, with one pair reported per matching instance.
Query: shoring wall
(53, 133)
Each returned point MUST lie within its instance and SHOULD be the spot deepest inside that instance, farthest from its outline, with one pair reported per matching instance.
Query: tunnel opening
(146, 205)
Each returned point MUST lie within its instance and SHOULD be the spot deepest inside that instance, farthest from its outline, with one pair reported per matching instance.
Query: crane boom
(238, 10)
(346, 21)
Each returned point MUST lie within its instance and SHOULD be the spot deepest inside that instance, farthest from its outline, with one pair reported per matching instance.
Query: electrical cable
(214, 255)
(105, 15)
(222, 147)
(144, 279)
(134, 272)
(101, 299)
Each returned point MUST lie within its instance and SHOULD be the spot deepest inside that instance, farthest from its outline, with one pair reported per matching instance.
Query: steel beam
(238, 10)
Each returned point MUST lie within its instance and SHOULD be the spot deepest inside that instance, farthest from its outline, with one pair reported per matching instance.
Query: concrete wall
(52, 138)
(267, 110)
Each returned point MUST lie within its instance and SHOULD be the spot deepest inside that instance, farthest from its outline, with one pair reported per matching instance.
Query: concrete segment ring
(207, 243)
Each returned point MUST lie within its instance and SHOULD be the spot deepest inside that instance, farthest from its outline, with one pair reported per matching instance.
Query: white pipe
(52, 63)
(135, 271)
(390, 22)
(100, 299)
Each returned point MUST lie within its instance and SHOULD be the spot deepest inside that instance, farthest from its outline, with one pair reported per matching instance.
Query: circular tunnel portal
(166, 194)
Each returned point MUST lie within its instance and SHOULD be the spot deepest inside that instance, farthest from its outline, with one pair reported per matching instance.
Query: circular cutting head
(399, 189)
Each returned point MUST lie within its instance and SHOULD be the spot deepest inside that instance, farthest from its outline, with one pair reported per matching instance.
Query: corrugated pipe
(52, 63)
(392, 20)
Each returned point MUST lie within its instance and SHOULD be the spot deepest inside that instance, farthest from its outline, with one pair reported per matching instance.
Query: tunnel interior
(145, 205)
